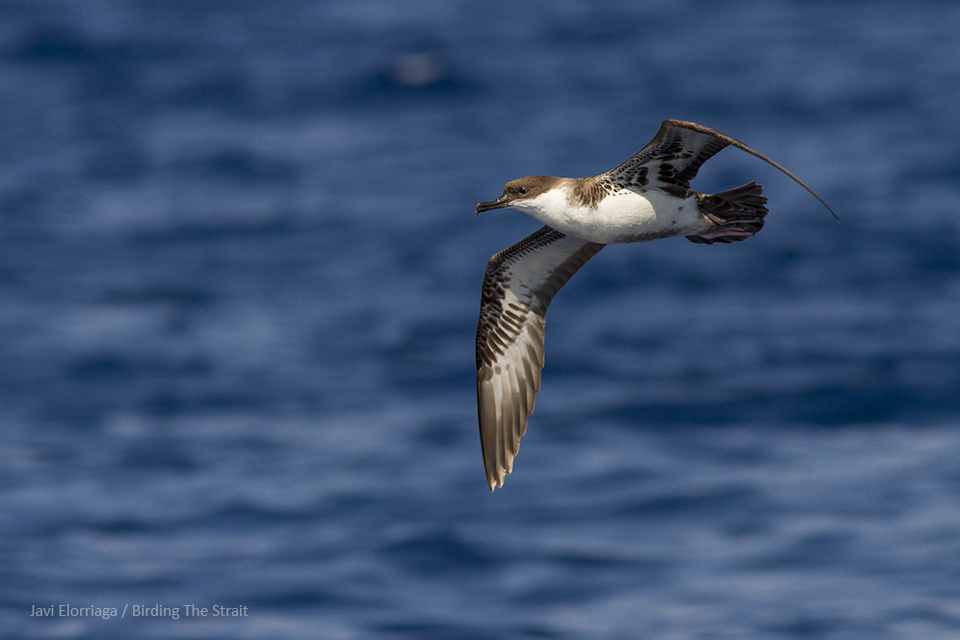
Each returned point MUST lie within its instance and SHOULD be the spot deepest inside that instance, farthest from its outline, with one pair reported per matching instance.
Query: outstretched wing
(671, 160)
(518, 286)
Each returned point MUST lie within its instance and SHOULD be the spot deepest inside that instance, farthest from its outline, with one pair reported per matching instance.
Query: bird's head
(520, 191)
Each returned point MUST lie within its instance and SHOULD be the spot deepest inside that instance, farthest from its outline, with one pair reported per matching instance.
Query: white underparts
(627, 216)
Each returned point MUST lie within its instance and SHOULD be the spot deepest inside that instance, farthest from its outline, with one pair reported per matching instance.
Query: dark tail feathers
(737, 213)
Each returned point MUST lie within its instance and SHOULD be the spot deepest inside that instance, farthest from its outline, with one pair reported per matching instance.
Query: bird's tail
(736, 214)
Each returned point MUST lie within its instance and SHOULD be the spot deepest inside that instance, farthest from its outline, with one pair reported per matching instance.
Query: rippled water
(239, 281)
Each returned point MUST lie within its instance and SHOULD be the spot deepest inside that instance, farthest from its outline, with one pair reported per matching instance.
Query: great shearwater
(646, 198)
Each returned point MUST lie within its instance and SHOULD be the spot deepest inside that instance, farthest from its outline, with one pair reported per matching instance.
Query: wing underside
(518, 286)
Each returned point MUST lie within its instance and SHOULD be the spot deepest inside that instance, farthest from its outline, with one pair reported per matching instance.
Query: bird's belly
(633, 217)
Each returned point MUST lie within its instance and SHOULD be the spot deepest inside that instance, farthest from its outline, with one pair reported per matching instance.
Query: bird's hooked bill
(499, 203)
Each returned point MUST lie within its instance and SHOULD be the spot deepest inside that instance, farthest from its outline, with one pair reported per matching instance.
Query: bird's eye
(522, 191)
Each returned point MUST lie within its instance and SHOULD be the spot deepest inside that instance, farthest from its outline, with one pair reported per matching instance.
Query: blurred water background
(239, 283)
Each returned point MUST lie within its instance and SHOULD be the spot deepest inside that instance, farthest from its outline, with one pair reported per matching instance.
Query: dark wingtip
(736, 143)
(811, 192)
(832, 212)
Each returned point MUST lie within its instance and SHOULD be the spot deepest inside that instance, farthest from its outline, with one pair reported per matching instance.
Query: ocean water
(239, 284)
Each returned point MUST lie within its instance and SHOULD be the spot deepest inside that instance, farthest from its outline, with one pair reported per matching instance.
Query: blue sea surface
(239, 285)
